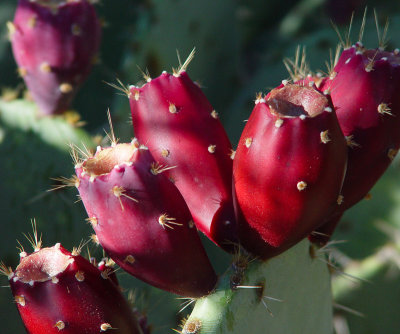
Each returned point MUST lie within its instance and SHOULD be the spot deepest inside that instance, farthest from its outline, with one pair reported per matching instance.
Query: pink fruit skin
(286, 177)
(169, 257)
(172, 116)
(55, 49)
(357, 92)
(79, 306)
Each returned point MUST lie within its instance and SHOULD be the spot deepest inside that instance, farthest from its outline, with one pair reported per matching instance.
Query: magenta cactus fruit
(58, 291)
(54, 44)
(288, 169)
(173, 117)
(142, 221)
(365, 87)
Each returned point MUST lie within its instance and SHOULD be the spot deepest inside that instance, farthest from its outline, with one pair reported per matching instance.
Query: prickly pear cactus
(240, 46)
(256, 297)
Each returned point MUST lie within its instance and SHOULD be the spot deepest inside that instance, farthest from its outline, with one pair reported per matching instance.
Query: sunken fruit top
(42, 265)
(294, 100)
(106, 159)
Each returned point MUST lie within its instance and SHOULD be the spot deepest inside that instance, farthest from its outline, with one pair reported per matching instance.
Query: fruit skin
(364, 87)
(142, 221)
(57, 291)
(173, 117)
(54, 46)
(369, 116)
(288, 170)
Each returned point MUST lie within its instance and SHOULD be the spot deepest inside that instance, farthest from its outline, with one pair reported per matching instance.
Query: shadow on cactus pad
(32, 151)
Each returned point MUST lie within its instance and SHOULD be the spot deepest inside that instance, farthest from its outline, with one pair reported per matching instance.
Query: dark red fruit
(56, 291)
(364, 86)
(365, 89)
(288, 168)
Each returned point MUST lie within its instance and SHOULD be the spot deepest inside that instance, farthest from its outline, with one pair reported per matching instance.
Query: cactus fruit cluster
(312, 148)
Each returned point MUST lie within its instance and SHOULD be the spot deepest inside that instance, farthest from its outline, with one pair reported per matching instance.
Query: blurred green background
(240, 47)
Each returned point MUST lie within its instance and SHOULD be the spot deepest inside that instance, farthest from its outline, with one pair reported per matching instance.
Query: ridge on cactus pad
(173, 117)
(142, 221)
(54, 45)
(58, 291)
(288, 169)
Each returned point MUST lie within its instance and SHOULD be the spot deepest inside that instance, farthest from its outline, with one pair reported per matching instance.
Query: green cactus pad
(33, 150)
(295, 298)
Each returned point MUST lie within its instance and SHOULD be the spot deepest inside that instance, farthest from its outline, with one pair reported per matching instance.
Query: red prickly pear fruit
(288, 169)
(178, 124)
(364, 87)
(369, 118)
(142, 221)
(56, 291)
(54, 44)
